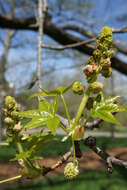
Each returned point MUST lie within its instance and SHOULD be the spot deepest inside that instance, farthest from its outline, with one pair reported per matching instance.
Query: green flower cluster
(100, 62)
(12, 119)
(70, 171)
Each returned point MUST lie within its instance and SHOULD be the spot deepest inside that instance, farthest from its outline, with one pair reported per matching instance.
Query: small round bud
(88, 70)
(17, 128)
(78, 133)
(106, 72)
(70, 171)
(97, 54)
(9, 121)
(105, 63)
(90, 102)
(78, 88)
(14, 115)
(10, 101)
(95, 87)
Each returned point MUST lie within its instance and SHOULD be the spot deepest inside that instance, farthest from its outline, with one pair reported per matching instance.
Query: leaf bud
(10, 102)
(78, 133)
(106, 72)
(70, 171)
(95, 87)
(88, 70)
(105, 63)
(90, 102)
(14, 115)
(9, 121)
(78, 88)
(17, 128)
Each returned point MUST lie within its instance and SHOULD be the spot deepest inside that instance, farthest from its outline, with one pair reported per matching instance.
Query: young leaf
(29, 114)
(105, 108)
(54, 92)
(53, 123)
(35, 122)
(54, 106)
(106, 116)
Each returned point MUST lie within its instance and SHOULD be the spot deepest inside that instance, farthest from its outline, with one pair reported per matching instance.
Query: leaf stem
(11, 179)
(74, 154)
(66, 131)
(81, 108)
(20, 149)
(66, 109)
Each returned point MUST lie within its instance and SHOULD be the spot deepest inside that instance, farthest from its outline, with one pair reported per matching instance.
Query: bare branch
(69, 45)
(94, 124)
(120, 30)
(62, 160)
(110, 160)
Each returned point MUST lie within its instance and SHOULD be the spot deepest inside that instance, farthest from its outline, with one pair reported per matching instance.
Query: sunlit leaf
(29, 114)
(53, 123)
(54, 92)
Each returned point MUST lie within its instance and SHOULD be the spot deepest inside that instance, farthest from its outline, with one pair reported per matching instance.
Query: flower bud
(14, 115)
(106, 63)
(95, 87)
(90, 102)
(17, 128)
(70, 171)
(78, 88)
(78, 133)
(9, 121)
(10, 102)
(88, 70)
(106, 72)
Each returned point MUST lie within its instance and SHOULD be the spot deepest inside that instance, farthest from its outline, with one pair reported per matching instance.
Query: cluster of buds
(100, 62)
(78, 88)
(12, 119)
(71, 171)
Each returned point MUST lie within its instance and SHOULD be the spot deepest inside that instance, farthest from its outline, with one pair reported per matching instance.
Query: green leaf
(29, 114)
(106, 116)
(54, 92)
(44, 105)
(53, 124)
(54, 106)
(105, 108)
(38, 141)
(113, 108)
(111, 99)
(36, 122)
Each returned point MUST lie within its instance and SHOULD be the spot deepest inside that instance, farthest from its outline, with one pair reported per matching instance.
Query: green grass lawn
(87, 180)
(58, 148)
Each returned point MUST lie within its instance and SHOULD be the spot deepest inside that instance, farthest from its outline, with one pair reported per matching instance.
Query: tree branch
(110, 160)
(68, 46)
(62, 160)
(58, 34)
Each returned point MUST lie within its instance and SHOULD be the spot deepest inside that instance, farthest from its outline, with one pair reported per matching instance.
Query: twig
(110, 160)
(94, 124)
(63, 159)
(69, 45)
(120, 30)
